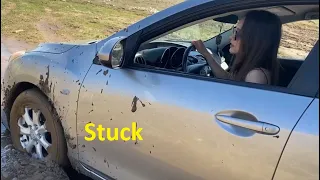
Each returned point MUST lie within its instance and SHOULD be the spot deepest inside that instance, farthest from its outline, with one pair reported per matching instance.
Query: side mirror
(111, 53)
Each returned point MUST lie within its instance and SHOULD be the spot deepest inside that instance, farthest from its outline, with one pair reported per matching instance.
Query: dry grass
(34, 20)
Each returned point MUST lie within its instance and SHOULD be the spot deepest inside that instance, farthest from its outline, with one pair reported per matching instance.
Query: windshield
(201, 31)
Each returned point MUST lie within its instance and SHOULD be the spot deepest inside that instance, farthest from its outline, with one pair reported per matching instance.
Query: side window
(172, 51)
(167, 51)
(298, 38)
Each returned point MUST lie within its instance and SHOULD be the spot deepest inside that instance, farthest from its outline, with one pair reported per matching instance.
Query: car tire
(36, 101)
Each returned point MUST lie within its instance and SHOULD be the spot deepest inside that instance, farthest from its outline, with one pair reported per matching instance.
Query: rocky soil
(16, 165)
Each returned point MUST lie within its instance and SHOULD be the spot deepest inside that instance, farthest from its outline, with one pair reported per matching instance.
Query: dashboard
(169, 55)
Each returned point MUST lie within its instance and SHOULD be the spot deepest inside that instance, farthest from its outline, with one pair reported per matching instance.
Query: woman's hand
(203, 50)
(215, 67)
(200, 47)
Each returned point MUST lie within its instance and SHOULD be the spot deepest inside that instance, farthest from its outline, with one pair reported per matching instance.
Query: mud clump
(69, 141)
(44, 83)
(134, 104)
(105, 72)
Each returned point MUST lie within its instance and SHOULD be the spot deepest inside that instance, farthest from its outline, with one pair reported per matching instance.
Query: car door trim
(94, 172)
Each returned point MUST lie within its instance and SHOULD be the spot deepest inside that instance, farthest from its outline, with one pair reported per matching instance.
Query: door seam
(275, 170)
(77, 109)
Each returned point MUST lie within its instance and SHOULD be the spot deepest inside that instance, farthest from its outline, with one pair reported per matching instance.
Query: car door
(190, 125)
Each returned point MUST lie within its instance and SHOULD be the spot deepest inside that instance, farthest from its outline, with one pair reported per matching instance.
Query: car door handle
(260, 127)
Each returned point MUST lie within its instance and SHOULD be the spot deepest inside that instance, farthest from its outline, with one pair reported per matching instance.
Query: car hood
(59, 48)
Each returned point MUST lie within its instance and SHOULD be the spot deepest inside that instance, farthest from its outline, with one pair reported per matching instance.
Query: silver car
(142, 104)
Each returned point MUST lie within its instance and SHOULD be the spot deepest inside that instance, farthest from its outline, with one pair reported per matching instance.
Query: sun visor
(232, 19)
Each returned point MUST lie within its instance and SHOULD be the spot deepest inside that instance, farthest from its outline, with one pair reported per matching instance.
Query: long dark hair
(260, 39)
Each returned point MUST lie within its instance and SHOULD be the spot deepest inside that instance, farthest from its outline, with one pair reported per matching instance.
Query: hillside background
(36, 21)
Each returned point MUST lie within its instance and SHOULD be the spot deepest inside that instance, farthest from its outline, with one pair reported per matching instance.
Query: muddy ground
(16, 165)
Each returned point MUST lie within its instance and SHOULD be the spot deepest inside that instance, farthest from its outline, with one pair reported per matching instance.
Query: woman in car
(254, 44)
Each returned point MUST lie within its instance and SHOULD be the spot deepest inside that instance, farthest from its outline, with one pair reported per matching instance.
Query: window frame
(202, 12)
(278, 89)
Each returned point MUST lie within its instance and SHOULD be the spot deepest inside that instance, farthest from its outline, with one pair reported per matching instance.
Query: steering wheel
(185, 57)
(202, 69)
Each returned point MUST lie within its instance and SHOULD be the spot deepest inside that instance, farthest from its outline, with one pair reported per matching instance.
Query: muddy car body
(188, 120)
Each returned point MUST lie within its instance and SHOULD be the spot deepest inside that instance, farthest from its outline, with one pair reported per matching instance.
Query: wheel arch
(14, 92)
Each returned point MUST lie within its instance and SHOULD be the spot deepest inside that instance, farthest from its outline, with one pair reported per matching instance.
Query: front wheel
(36, 129)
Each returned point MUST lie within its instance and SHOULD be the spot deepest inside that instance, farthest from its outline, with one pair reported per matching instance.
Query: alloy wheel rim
(34, 136)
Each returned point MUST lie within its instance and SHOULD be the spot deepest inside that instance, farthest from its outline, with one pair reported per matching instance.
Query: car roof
(298, 12)
(295, 10)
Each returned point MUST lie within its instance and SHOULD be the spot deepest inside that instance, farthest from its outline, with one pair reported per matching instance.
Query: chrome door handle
(260, 127)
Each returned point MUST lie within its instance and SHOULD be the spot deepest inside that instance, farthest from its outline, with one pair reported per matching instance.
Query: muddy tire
(32, 107)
